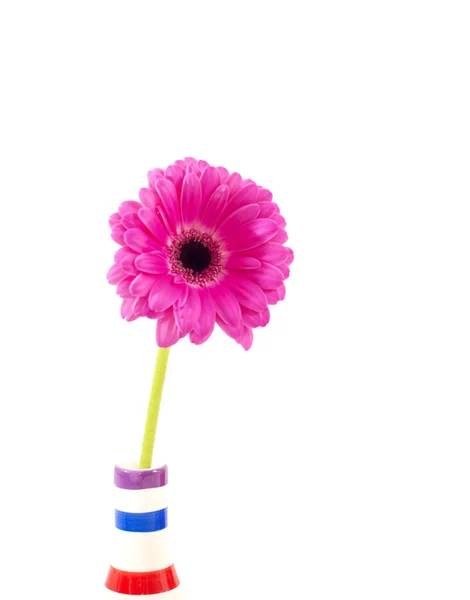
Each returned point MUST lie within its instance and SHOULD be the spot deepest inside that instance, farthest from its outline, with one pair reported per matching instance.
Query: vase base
(171, 595)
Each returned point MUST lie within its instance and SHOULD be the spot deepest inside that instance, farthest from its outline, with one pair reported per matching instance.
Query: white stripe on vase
(140, 501)
(140, 552)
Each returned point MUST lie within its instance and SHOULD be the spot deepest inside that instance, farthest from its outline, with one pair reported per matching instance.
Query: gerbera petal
(210, 181)
(290, 256)
(267, 276)
(266, 209)
(123, 288)
(251, 235)
(271, 253)
(281, 290)
(131, 220)
(184, 292)
(215, 206)
(226, 305)
(272, 296)
(281, 236)
(190, 199)
(149, 313)
(140, 241)
(170, 228)
(233, 332)
(152, 262)
(245, 195)
(142, 285)
(154, 175)
(223, 174)
(115, 275)
(206, 322)
(139, 304)
(247, 292)
(234, 182)
(264, 195)
(167, 331)
(199, 338)
(148, 198)
(246, 340)
(164, 293)
(127, 309)
(236, 261)
(114, 219)
(129, 206)
(275, 296)
(238, 218)
(167, 193)
(251, 318)
(117, 233)
(265, 317)
(127, 265)
(279, 219)
(194, 168)
(175, 174)
(188, 313)
(154, 224)
(123, 252)
(284, 270)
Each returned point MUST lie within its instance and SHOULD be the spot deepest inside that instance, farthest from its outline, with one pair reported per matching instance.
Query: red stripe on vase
(135, 584)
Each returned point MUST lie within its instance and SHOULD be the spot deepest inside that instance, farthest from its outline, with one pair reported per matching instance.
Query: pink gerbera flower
(201, 247)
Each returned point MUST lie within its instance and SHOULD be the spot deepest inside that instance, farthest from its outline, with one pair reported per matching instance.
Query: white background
(331, 461)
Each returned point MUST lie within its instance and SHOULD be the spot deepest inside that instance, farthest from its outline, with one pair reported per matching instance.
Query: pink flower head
(201, 247)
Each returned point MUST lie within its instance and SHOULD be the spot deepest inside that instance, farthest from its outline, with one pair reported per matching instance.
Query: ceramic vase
(141, 564)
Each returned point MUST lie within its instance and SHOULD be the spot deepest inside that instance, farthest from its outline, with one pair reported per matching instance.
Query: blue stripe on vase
(142, 522)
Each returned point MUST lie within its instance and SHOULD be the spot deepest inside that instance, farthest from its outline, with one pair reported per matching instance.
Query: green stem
(154, 408)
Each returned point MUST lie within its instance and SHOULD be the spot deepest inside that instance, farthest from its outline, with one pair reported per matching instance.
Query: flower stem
(153, 408)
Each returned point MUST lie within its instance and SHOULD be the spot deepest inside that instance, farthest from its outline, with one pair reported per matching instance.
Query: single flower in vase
(202, 247)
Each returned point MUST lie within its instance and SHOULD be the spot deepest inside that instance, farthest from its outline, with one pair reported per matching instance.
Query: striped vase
(141, 563)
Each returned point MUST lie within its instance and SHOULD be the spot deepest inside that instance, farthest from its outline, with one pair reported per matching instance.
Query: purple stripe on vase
(140, 479)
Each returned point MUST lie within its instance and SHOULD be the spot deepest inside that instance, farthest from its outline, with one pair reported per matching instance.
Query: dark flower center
(195, 256)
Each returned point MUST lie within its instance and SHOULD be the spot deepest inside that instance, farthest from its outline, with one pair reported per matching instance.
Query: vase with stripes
(141, 563)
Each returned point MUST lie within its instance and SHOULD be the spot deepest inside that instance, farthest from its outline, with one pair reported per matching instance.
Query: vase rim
(128, 477)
